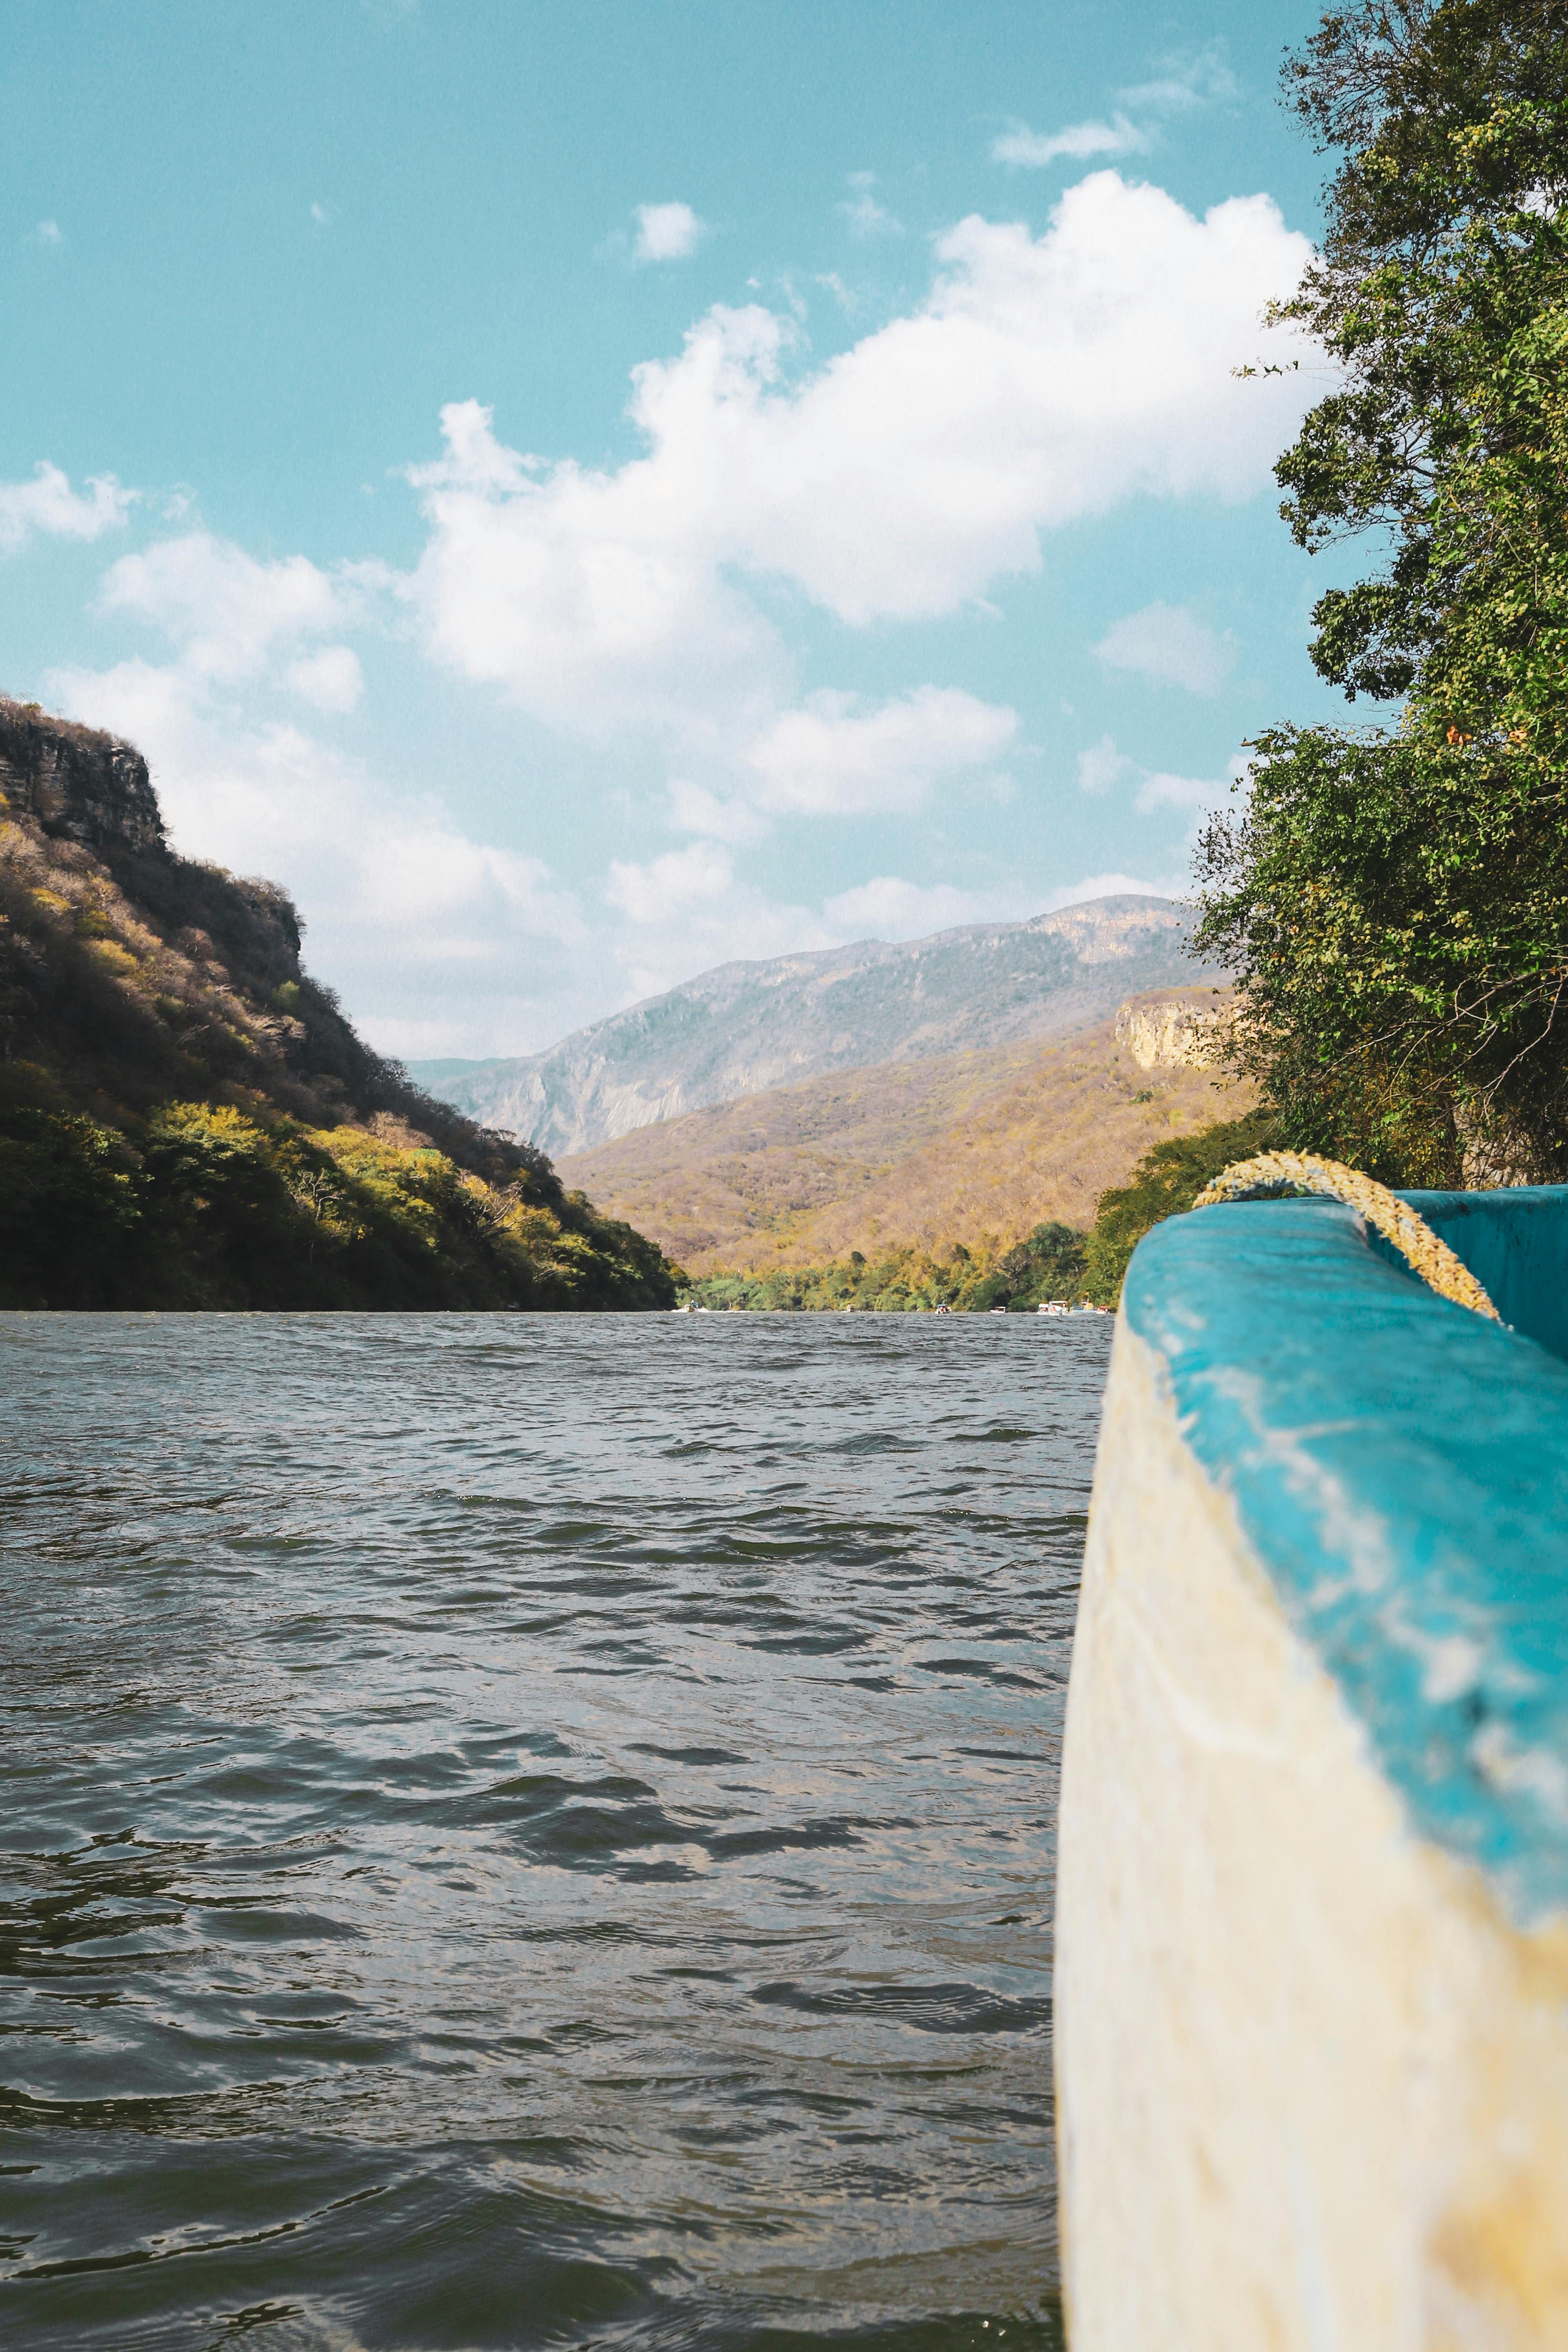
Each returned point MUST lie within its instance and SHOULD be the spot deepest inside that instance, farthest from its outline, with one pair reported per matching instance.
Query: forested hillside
(188, 1120)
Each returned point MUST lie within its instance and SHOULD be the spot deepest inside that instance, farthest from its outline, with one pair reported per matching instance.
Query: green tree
(1047, 1264)
(70, 1205)
(1395, 899)
(1166, 1180)
(201, 1205)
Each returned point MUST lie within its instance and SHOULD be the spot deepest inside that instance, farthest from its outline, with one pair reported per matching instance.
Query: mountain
(746, 1028)
(188, 1120)
(973, 1148)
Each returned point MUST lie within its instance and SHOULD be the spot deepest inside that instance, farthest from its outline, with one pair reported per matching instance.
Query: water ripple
(532, 1831)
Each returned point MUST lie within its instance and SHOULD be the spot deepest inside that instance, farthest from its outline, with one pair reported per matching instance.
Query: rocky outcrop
(1177, 1029)
(77, 784)
(188, 1120)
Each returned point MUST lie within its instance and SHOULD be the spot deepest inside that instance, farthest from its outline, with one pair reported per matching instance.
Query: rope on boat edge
(1274, 1173)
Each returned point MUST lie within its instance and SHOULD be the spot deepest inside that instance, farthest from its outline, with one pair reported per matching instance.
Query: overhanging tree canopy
(1395, 899)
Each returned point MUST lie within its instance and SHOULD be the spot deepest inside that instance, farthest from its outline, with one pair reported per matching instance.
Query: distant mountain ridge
(744, 1027)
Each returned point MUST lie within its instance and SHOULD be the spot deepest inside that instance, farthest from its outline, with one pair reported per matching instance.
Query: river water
(532, 1831)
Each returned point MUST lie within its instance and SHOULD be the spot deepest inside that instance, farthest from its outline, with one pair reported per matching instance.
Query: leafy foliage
(1166, 1180)
(199, 1205)
(1047, 1264)
(1396, 900)
(67, 1203)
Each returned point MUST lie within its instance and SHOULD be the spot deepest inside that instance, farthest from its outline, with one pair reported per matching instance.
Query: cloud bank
(47, 508)
(644, 609)
(1043, 381)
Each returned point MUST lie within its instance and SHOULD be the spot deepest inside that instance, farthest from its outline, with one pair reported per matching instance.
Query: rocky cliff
(1177, 1029)
(746, 1028)
(75, 783)
(128, 973)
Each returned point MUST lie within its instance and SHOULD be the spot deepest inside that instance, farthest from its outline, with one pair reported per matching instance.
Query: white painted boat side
(1312, 2084)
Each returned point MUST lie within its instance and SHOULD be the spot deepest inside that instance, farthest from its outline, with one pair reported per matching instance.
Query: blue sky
(580, 492)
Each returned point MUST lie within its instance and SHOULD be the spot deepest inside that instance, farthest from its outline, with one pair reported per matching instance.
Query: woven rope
(1302, 1172)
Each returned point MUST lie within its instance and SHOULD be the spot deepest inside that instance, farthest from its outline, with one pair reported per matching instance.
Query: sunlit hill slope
(971, 1149)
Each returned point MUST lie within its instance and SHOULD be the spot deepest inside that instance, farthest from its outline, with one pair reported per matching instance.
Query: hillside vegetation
(187, 1120)
(1056, 1263)
(970, 1151)
(1047, 1264)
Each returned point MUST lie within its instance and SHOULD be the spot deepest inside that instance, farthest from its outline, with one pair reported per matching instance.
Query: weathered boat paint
(1312, 1939)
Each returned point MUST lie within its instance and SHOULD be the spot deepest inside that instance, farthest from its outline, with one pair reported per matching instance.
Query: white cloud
(694, 808)
(671, 884)
(320, 215)
(835, 756)
(890, 909)
(49, 507)
(847, 302)
(1034, 149)
(49, 232)
(1200, 78)
(1183, 83)
(1103, 766)
(689, 910)
(1196, 794)
(866, 214)
(666, 233)
(227, 612)
(595, 599)
(1043, 380)
(1117, 885)
(332, 679)
(1170, 646)
(1160, 790)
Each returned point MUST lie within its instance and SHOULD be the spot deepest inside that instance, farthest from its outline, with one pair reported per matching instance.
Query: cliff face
(128, 974)
(75, 783)
(1175, 1029)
